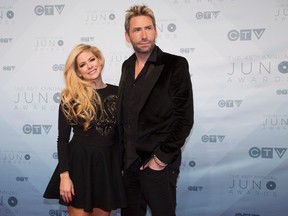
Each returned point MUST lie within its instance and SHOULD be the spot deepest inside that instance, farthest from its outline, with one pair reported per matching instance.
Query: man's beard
(141, 50)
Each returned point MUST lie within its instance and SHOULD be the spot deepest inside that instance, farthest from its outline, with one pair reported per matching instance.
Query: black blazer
(165, 114)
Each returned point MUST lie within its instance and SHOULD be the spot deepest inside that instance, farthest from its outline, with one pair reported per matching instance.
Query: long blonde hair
(80, 103)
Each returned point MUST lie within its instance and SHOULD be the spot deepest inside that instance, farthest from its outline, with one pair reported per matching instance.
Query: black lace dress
(93, 159)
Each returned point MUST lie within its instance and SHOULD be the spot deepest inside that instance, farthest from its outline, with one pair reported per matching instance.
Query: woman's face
(89, 67)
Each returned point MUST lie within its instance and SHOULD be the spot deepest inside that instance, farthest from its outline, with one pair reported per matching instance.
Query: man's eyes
(147, 28)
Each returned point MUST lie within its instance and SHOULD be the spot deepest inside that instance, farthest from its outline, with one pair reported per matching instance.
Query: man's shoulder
(130, 59)
(172, 55)
(172, 58)
(169, 56)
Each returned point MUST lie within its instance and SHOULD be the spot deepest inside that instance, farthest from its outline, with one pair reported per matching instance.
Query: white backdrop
(235, 160)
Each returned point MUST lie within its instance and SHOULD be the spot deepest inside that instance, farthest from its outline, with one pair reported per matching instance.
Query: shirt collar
(153, 56)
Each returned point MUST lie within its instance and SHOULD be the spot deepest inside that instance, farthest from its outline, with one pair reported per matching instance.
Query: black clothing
(152, 187)
(93, 159)
(131, 97)
(162, 115)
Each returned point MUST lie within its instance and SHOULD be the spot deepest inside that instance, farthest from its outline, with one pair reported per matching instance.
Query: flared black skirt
(96, 175)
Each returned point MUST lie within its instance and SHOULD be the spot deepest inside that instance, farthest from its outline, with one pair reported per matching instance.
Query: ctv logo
(6, 40)
(282, 91)
(229, 103)
(87, 39)
(207, 15)
(187, 50)
(9, 67)
(212, 138)
(268, 153)
(48, 10)
(54, 212)
(58, 67)
(21, 179)
(246, 214)
(36, 129)
(245, 34)
(195, 188)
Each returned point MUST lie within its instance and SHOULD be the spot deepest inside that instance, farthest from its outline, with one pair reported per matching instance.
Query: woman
(88, 176)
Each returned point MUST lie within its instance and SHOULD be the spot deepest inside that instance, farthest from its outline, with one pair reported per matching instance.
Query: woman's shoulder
(112, 86)
(110, 89)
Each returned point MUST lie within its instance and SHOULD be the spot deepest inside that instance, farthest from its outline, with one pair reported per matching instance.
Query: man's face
(142, 34)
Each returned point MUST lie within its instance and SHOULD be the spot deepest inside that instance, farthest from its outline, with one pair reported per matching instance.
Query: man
(155, 117)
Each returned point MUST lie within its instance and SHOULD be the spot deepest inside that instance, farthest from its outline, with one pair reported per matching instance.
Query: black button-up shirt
(131, 97)
(132, 94)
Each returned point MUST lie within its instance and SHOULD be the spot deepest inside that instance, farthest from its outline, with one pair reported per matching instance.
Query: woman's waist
(94, 141)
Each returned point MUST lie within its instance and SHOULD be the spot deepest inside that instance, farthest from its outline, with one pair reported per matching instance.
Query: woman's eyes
(92, 59)
(89, 60)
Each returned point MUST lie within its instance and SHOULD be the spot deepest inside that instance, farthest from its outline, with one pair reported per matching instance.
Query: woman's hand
(66, 187)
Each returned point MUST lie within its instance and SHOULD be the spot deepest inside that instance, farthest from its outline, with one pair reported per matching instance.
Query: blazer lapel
(151, 78)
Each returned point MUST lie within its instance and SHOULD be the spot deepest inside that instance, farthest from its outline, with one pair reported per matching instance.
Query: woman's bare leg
(77, 212)
(100, 212)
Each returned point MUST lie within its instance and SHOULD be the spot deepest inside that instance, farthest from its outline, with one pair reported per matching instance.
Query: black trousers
(157, 189)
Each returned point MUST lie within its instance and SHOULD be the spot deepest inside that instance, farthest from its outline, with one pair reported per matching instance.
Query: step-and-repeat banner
(234, 161)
